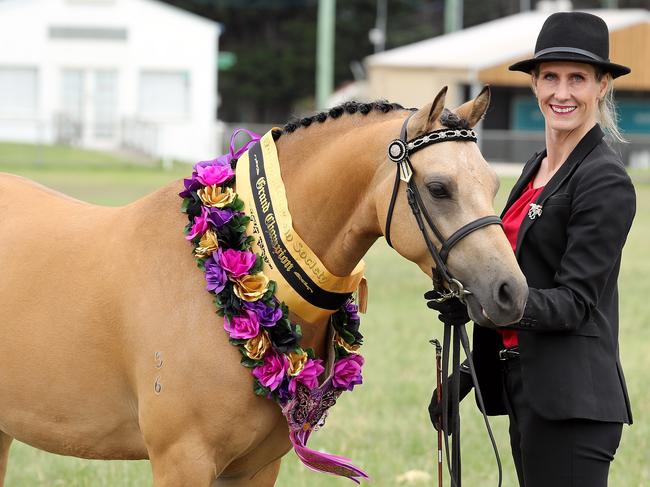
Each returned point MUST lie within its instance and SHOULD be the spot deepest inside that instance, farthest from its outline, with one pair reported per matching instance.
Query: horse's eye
(438, 190)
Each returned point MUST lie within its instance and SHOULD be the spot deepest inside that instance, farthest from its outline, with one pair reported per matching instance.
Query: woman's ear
(533, 83)
(604, 82)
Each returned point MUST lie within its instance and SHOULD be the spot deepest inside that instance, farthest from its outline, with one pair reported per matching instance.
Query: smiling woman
(557, 373)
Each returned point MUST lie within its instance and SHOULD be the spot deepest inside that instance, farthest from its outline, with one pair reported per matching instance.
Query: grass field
(383, 426)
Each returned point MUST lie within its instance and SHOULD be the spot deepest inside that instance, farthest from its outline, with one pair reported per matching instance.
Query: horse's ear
(474, 110)
(425, 118)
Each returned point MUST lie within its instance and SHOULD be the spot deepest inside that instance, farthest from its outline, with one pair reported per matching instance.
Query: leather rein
(444, 283)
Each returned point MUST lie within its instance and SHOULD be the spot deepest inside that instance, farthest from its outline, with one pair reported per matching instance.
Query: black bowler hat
(577, 37)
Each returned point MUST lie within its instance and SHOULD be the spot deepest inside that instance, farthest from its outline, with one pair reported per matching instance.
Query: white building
(109, 74)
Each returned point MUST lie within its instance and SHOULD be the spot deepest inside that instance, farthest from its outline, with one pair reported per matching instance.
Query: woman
(557, 372)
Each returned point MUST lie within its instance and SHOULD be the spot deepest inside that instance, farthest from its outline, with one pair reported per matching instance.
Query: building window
(105, 102)
(164, 95)
(88, 33)
(18, 92)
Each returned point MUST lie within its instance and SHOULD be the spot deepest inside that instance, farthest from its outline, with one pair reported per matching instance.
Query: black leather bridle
(444, 283)
(399, 151)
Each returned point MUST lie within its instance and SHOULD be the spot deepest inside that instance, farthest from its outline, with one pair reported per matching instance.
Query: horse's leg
(188, 463)
(5, 443)
(263, 478)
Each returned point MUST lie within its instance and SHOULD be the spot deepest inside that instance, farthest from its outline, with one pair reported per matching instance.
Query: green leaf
(186, 203)
(340, 352)
(258, 266)
(260, 390)
(238, 204)
(347, 336)
(310, 353)
(249, 362)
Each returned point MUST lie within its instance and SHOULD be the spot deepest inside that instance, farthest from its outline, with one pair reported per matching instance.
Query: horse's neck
(330, 172)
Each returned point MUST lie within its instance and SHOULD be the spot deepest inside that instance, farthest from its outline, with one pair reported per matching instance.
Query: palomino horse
(110, 348)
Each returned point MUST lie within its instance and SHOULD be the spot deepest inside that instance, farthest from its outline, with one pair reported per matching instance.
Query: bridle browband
(444, 283)
(399, 151)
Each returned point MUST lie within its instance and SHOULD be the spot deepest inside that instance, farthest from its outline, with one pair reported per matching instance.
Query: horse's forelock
(451, 120)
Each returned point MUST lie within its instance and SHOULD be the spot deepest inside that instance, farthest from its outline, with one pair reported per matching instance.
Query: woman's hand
(435, 407)
(452, 311)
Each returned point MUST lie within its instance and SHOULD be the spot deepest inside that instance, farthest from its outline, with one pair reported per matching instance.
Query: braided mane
(448, 118)
(349, 107)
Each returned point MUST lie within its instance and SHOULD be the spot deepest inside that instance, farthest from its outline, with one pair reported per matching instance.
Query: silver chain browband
(430, 138)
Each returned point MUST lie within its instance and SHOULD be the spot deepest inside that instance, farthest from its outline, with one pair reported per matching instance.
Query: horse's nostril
(504, 295)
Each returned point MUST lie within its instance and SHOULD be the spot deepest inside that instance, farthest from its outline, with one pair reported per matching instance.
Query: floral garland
(256, 322)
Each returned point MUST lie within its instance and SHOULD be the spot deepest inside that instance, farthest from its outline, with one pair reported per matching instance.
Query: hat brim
(528, 65)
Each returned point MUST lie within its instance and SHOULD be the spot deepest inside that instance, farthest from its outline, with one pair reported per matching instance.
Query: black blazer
(570, 255)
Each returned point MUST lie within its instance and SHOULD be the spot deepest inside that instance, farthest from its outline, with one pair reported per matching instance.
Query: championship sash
(303, 283)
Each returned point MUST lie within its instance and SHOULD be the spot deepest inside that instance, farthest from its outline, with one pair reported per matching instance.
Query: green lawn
(383, 426)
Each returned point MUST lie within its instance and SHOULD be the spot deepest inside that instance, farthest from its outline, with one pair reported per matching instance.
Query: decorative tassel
(325, 462)
(362, 295)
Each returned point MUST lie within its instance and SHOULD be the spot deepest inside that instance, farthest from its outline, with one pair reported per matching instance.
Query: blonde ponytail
(607, 114)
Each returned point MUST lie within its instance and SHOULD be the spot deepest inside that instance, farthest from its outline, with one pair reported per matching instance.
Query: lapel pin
(534, 211)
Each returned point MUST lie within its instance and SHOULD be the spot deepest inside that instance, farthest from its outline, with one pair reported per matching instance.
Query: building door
(89, 114)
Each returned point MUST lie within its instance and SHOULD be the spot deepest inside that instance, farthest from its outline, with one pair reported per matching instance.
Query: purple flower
(243, 326)
(219, 217)
(271, 373)
(236, 262)
(191, 184)
(215, 276)
(308, 375)
(347, 372)
(200, 225)
(213, 174)
(352, 311)
(267, 315)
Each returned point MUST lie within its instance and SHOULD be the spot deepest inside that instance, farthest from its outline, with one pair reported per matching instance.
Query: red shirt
(512, 221)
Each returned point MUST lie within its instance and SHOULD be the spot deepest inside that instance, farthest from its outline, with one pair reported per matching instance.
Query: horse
(110, 348)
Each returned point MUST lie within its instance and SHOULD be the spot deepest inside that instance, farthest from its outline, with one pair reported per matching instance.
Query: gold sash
(303, 283)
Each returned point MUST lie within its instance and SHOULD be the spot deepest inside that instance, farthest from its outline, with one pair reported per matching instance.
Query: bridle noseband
(399, 151)
(444, 283)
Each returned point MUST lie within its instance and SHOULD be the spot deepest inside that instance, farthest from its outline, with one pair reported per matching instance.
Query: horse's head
(457, 186)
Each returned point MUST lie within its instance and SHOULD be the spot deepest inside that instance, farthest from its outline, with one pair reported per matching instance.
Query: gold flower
(252, 287)
(216, 196)
(207, 244)
(297, 362)
(345, 345)
(256, 347)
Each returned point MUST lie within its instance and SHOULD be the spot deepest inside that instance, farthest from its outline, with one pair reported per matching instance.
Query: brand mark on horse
(158, 357)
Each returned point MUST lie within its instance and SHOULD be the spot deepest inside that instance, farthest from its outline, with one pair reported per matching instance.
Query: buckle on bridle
(455, 290)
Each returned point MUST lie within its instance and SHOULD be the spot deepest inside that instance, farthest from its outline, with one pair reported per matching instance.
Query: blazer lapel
(579, 153)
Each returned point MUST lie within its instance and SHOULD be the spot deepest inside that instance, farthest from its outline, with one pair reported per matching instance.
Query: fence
(511, 146)
(503, 146)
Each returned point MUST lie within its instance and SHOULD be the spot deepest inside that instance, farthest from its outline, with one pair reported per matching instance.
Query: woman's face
(568, 95)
